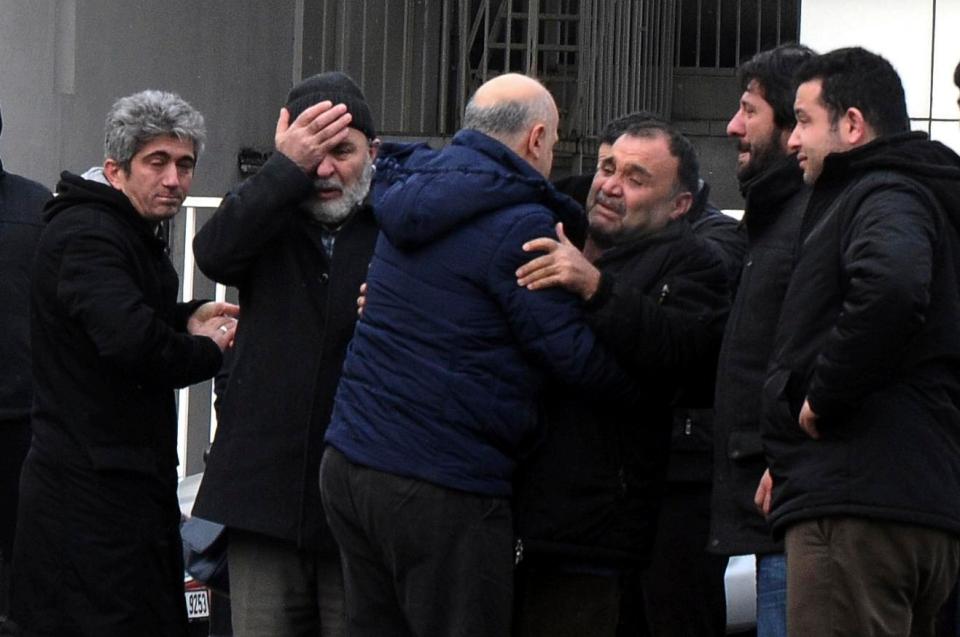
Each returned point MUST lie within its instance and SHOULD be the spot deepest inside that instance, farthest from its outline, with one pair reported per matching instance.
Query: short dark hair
(856, 78)
(774, 70)
(617, 127)
(688, 166)
(956, 75)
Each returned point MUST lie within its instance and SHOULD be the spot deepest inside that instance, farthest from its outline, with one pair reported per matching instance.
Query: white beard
(336, 211)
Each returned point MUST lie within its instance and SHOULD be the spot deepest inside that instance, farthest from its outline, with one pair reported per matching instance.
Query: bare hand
(312, 135)
(209, 310)
(215, 320)
(362, 299)
(764, 494)
(563, 265)
(220, 329)
(808, 420)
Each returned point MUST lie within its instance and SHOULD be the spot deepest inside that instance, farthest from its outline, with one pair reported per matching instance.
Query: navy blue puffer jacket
(442, 377)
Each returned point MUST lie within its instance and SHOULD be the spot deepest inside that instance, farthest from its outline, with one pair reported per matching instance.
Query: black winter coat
(298, 311)
(868, 334)
(691, 441)
(21, 203)
(775, 201)
(98, 549)
(592, 489)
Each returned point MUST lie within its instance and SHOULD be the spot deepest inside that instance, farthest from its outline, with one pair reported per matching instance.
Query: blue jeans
(772, 595)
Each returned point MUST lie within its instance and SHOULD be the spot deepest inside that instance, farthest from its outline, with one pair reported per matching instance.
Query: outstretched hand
(215, 320)
(563, 265)
(315, 132)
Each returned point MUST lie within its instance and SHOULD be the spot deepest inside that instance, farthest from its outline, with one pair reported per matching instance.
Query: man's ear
(681, 205)
(536, 140)
(374, 145)
(111, 170)
(854, 129)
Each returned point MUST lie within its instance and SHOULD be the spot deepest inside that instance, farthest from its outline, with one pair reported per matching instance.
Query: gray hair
(136, 119)
(506, 120)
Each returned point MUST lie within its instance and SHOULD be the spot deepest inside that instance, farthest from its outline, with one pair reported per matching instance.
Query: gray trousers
(278, 590)
(867, 578)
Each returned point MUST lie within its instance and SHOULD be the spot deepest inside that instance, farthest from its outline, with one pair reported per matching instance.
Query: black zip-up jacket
(298, 311)
(774, 205)
(21, 203)
(691, 439)
(109, 338)
(869, 335)
(592, 489)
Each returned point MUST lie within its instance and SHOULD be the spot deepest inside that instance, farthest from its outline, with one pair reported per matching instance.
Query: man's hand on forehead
(312, 135)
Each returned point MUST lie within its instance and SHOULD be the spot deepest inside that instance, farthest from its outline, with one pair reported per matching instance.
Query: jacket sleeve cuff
(603, 293)
(185, 311)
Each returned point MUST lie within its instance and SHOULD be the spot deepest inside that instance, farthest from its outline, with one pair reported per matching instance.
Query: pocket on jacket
(778, 414)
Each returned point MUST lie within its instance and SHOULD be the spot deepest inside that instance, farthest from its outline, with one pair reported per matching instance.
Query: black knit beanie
(339, 89)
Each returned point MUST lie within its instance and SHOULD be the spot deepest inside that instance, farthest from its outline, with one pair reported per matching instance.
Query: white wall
(920, 39)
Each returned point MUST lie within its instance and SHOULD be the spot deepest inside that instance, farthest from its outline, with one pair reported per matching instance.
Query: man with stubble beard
(772, 186)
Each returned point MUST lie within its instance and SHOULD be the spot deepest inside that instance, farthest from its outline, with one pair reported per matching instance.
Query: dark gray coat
(298, 311)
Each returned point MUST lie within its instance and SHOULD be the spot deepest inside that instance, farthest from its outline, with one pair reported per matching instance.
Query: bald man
(438, 397)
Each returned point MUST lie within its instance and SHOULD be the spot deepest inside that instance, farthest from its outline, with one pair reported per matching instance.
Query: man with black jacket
(588, 497)
(681, 592)
(295, 239)
(775, 197)
(97, 550)
(21, 203)
(862, 400)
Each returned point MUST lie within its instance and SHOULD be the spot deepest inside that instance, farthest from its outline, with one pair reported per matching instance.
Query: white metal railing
(188, 273)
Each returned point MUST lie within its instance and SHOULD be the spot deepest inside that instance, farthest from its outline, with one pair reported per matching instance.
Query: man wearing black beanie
(295, 239)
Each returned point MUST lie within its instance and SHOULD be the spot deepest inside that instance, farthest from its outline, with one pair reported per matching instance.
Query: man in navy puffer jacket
(438, 397)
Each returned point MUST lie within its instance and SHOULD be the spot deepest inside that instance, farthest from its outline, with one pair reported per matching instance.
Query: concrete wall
(29, 140)
(919, 37)
(66, 61)
(704, 100)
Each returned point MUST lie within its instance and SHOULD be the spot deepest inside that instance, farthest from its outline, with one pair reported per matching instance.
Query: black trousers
(555, 603)
(418, 559)
(681, 593)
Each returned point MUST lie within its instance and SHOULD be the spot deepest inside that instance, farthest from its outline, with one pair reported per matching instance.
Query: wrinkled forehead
(648, 154)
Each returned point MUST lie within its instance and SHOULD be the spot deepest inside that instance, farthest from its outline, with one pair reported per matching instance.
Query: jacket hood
(73, 190)
(913, 155)
(423, 194)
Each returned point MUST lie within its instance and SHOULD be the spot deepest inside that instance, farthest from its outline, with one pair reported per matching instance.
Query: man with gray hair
(437, 401)
(97, 549)
(295, 239)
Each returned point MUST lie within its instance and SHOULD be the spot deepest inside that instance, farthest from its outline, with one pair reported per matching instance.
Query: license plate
(198, 604)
